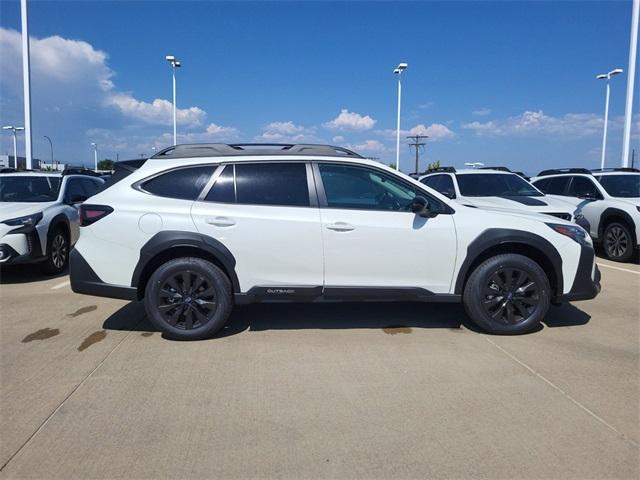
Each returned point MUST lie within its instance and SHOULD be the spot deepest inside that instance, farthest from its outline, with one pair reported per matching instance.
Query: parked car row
(197, 229)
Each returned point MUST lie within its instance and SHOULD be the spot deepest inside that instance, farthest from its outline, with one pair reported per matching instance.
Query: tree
(434, 165)
(105, 164)
(392, 165)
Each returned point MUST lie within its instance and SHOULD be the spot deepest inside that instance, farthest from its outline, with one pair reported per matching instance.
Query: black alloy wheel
(186, 300)
(618, 242)
(511, 296)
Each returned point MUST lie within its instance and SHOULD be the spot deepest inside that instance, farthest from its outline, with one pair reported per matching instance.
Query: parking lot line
(560, 390)
(61, 285)
(618, 268)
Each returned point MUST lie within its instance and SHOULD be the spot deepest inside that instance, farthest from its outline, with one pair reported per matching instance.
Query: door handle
(341, 227)
(221, 221)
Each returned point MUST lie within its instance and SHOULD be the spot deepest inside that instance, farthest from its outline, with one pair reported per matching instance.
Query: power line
(417, 145)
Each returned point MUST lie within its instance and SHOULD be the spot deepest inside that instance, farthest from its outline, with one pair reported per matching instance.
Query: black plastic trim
(85, 281)
(584, 287)
(164, 241)
(493, 237)
(614, 212)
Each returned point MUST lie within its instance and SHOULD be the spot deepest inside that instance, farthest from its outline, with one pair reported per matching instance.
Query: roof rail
(555, 171)
(500, 169)
(441, 169)
(615, 169)
(79, 171)
(244, 149)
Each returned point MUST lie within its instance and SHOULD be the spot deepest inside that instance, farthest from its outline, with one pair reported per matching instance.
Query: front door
(372, 239)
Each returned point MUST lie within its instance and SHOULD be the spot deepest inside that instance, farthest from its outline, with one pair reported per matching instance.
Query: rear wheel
(188, 298)
(57, 252)
(618, 242)
(507, 294)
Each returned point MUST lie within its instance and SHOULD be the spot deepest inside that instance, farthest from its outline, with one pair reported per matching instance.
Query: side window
(283, 184)
(542, 185)
(431, 181)
(557, 185)
(223, 191)
(90, 187)
(446, 187)
(183, 183)
(354, 187)
(74, 192)
(583, 187)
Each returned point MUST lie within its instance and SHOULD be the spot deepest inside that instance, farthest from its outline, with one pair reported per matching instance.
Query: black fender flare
(494, 237)
(169, 239)
(615, 212)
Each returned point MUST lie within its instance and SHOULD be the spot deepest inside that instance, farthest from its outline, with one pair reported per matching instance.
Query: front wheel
(507, 294)
(57, 252)
(188, 298)
(618, 243)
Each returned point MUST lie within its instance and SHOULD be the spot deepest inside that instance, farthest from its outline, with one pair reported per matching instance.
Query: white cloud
(482, 112)
(286, 132)
(347, 120)
(338, 139)
(538, 123)
(369, 146)
(158, 112)
(435, 132)
(218, 130)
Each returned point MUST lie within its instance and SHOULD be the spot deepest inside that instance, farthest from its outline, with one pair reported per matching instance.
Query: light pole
(631, 75)
(174, 64)
(398, 71)
(51, 146)
(607, 77)
(15, 142)
(26, 84)
(95, 154)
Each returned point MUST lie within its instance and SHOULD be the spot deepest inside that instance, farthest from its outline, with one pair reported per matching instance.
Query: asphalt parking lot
(90, 390)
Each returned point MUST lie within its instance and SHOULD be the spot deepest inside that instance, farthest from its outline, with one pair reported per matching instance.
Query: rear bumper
(587, 282)
(85, 281)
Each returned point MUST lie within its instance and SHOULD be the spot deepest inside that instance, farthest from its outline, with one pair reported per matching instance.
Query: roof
(207, 150)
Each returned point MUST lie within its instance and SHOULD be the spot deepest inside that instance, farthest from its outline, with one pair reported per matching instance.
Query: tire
(188, 298)
(507, 294)
(57, 251)
(617, 242)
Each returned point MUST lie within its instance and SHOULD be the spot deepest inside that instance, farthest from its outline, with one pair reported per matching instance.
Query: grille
(563, 216)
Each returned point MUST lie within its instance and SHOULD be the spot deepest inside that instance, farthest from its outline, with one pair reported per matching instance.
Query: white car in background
(39, 215)
(498, 188)
(609, 200)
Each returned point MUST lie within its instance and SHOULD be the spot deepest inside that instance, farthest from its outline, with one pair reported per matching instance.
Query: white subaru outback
(197, 229)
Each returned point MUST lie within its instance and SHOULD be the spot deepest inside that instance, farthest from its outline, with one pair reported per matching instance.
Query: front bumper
(84, 280)
(586, 284)
(21, 245)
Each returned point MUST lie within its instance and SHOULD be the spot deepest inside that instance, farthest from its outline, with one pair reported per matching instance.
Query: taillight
(92, 213)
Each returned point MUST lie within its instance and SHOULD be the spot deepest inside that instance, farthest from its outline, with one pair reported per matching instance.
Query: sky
(503, 83)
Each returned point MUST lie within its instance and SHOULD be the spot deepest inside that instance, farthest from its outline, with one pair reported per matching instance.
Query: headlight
(574, 232)
(27, 221)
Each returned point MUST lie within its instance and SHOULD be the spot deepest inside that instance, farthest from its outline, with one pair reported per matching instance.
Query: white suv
(39, 215)
(197, 229)
(609, 200)
(498, 188)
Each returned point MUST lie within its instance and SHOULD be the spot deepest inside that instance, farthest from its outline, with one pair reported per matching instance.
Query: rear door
(266, 214)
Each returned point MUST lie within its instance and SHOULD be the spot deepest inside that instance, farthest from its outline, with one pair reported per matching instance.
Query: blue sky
(502, 83)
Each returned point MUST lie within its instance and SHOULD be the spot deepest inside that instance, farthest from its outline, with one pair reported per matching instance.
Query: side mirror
(588, 196)
(73, 199)
(420, 206)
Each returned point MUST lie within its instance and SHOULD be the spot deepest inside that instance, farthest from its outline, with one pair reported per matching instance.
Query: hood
(529, 204)
(635, 201)
(9, 210)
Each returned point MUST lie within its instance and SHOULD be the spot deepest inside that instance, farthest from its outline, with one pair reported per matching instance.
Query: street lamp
(607, 77)
(174, 64)
(15, 141)
(51, 146)
(398, 71)
(95, 154)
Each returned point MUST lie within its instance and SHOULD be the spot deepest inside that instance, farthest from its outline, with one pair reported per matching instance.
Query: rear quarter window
(183, 183)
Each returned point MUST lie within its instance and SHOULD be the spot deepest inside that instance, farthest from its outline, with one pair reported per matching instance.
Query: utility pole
(417, 144)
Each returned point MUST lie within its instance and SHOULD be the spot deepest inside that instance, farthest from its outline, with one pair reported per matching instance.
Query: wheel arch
(167, 245)
(612, 214)
(496, 241)
(58, 221)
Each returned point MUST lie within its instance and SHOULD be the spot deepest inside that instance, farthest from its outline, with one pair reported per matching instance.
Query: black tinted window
(583, 187)
(272, 184)
(557, 185)
(74, 191)
(626, 185)
(363, 188)
(90, 187)
(223, 190)
(542, 184)
(184, 183)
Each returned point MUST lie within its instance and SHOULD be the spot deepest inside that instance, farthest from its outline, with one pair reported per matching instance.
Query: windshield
(625, 186)
(495, 185)
(29, 189)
